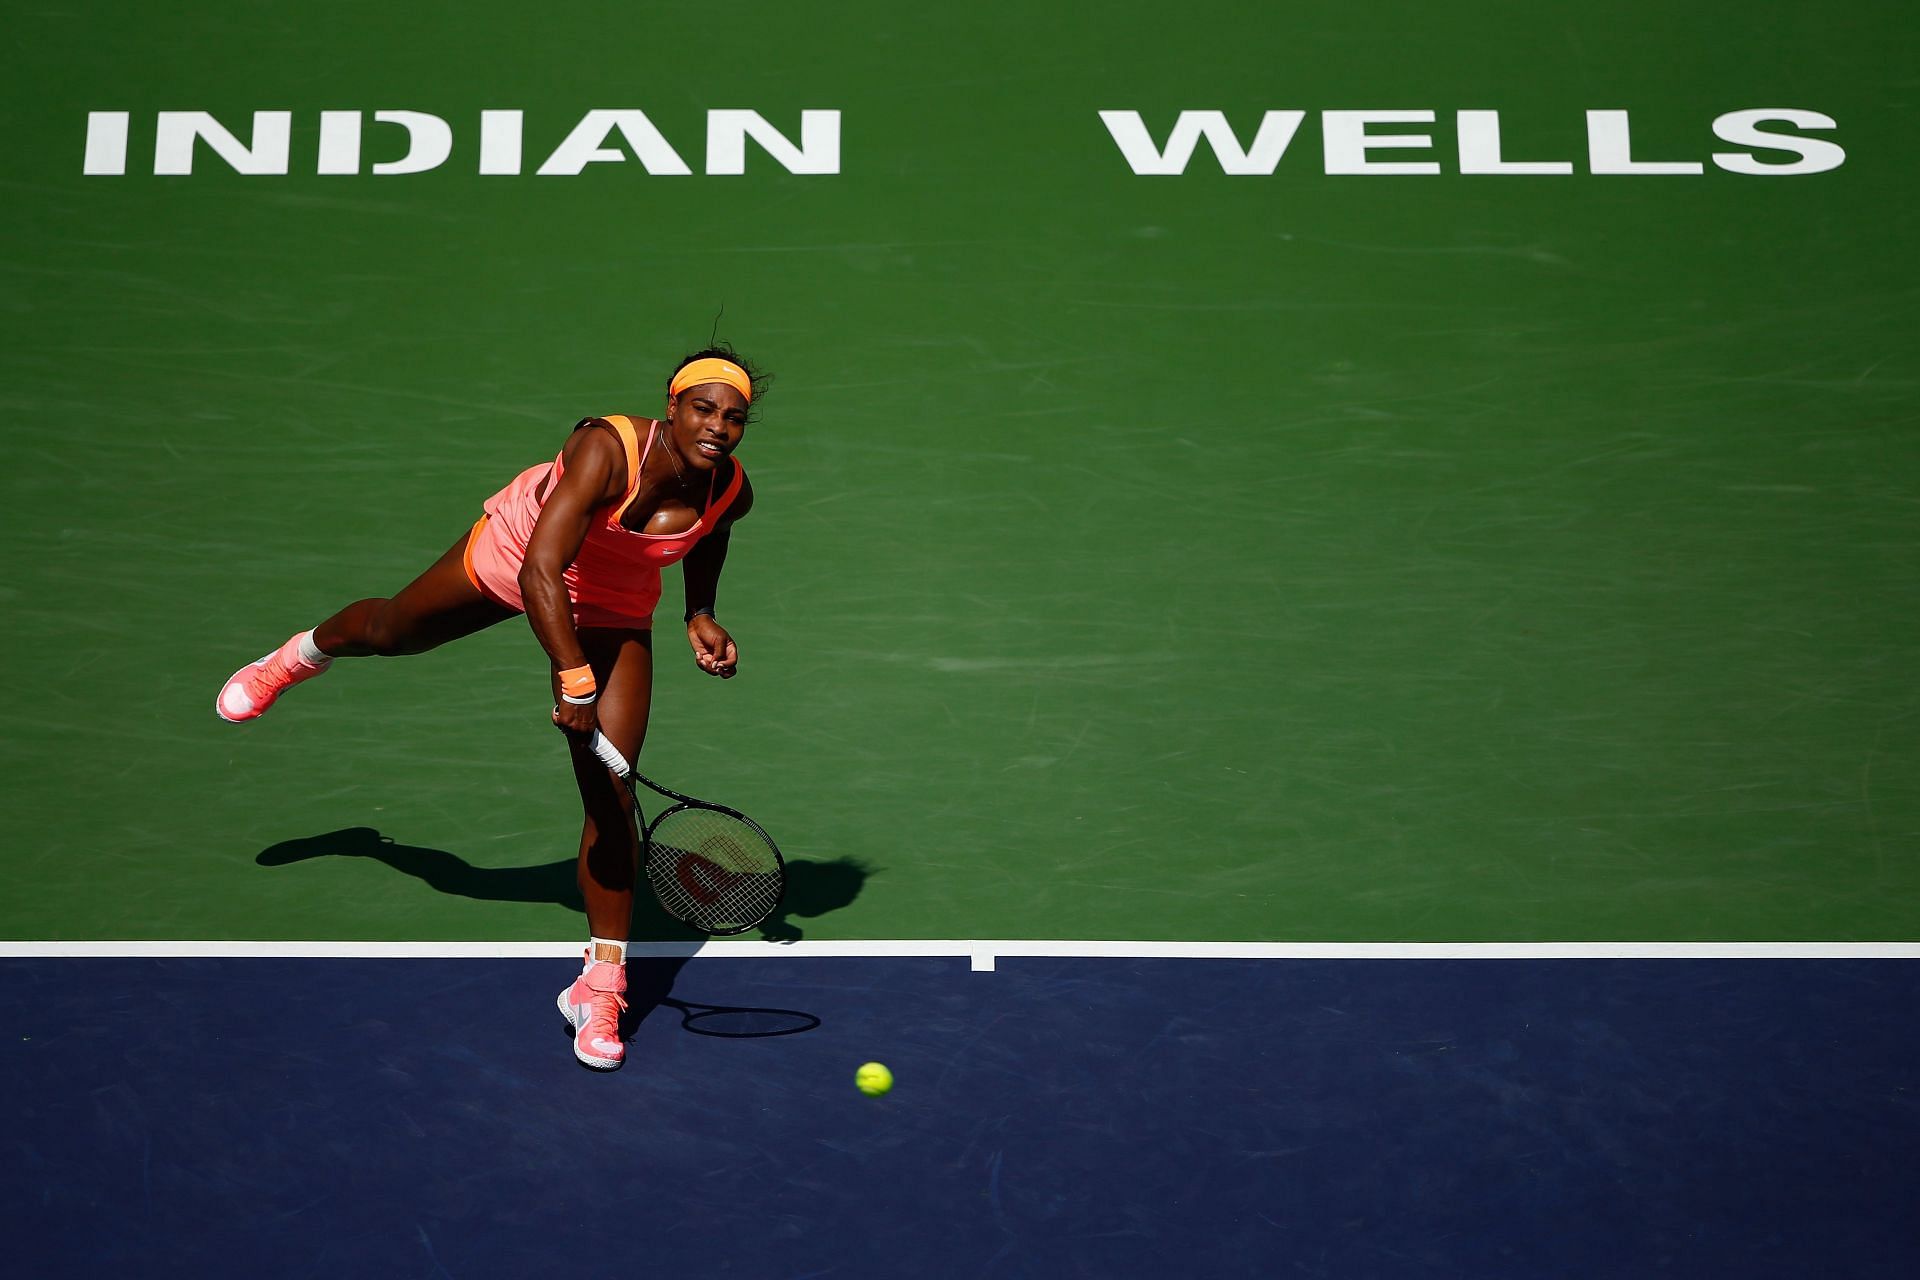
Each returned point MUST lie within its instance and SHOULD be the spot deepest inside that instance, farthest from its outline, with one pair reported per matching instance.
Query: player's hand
(713, 648)
(575, 718)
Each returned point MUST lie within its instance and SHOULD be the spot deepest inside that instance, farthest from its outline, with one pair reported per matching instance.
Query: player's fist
(713, 648)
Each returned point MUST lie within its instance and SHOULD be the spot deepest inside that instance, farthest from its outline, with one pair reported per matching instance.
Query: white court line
(982, 953)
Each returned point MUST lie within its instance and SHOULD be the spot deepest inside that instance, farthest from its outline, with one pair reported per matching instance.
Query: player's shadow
(815, 887)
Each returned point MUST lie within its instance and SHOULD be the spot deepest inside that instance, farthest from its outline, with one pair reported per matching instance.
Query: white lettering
(728, 131)
(1610, 148)
(429, 141)
(500, 141)
(106, 143)
(176, 131)
(1768, 142)
(1817, 155)
(1480, 148)
(582, 146)
(339, 142)
(1136, 144)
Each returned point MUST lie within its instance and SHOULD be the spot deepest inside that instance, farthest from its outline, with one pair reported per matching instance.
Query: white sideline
(984, 952)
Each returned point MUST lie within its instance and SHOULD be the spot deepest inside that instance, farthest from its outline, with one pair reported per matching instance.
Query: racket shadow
(650, 987)
(815, 887)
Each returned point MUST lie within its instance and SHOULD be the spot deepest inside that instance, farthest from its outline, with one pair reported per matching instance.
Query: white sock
(594, 945)
(310, 652)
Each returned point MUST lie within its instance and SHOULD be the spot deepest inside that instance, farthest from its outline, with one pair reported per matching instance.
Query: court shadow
(814, 887)
(649, 985)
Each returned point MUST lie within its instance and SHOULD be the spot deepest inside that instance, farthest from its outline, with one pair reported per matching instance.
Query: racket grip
(609, 754)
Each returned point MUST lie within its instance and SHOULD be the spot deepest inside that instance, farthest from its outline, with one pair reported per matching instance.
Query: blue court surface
(1082, 1117)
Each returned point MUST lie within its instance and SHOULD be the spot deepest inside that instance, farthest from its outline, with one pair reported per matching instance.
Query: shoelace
(273, 672)
(277, 674)
(268, 676)
(599, 1019)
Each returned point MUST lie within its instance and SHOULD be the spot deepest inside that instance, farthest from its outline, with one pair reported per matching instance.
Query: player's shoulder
(625, 431)
(597, 445)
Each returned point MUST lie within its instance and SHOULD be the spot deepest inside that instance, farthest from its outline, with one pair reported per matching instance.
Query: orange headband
(701, 372)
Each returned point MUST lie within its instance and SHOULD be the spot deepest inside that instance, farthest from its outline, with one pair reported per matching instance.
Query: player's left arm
(713, 648)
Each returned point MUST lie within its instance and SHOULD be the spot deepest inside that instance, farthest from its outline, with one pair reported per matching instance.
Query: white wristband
(580, 702)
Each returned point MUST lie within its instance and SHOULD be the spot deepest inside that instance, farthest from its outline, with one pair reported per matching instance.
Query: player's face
(707, 422)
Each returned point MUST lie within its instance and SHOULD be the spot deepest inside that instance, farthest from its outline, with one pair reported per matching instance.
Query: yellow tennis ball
(873, 1079)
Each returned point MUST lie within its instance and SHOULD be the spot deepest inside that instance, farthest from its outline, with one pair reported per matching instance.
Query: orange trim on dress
(466, 558)
(629, 434)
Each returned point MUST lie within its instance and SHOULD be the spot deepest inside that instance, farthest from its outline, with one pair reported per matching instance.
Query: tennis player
(577, 544)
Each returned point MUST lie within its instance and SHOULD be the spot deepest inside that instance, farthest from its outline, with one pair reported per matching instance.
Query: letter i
(500, 142)
(106, 143)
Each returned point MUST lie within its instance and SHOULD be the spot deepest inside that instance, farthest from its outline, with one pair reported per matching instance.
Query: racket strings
(713, 870)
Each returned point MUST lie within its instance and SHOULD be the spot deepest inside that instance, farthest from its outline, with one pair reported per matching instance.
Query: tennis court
(1326, 630)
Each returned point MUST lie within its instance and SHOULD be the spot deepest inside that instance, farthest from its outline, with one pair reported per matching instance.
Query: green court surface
(1298, 556)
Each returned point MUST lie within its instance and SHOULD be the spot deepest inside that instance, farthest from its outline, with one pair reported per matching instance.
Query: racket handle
(609, 754)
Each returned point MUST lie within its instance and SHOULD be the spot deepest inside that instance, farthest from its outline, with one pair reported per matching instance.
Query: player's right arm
(595, 475)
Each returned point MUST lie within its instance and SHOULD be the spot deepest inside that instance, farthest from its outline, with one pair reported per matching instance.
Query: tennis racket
(711, 867)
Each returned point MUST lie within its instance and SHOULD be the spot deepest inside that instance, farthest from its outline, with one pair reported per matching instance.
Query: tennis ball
(873, 1079)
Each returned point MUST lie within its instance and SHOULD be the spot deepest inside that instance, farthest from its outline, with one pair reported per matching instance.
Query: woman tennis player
(577, 544)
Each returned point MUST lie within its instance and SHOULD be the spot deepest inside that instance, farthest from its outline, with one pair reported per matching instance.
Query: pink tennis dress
(615, 580)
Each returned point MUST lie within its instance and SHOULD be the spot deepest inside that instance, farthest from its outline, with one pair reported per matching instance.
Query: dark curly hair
(722, 351)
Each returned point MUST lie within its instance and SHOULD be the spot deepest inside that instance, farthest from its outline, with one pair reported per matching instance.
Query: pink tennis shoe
(251, 690)
(592, 1007)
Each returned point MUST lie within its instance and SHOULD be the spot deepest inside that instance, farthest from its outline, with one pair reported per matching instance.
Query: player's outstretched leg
(441, 604)
(609, 846)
